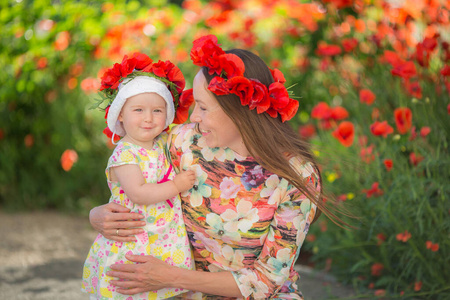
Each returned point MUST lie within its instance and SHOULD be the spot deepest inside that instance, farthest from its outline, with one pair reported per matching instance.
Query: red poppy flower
(205, 51)
(376, 269)
(366, 154)
(388, 163)
(414, 89)
(321, 111)
(417, 286)
(339, 113)
(345, 133)
(403, 236)
(142, 60)
(445, 71)
(424, 131)
(349, 44)
(260, 98)
(380, 293)
(405, 70)
(328, 50)
(392, 58)
(242, 87)
(307, 131)
(366, 96)
(278, 76)
(431, 246)
(381, 237)
(182, 112)
(175, 75)
(289, 111)
(381, 128)
(279, 96)
(415, 159)
(374, 191)
(403, 119)
(232, 65)
(219, 86)
(68, 158)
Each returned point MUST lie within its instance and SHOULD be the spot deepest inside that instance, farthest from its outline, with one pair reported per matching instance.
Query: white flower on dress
(229, 259)
(210, 244)
(281, 265)
(252, 285)
(185, 140)
(242, 219)
(276, 189)
(228, 188)
(299, 222)
(186, 161)
(200, 189)
(218, 231)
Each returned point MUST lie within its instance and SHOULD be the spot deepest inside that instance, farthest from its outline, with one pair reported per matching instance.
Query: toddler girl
(145, 98)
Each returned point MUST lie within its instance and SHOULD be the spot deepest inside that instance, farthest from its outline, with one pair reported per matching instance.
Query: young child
(138, 173)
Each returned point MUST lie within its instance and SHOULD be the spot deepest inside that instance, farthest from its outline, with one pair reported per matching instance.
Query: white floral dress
(243, 218)
(165, 236)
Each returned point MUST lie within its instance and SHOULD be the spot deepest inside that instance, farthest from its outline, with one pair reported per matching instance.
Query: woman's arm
(140, 192)
(108, 218)
(152, 274)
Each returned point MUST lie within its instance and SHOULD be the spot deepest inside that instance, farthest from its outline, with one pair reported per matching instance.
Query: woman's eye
(202, 108)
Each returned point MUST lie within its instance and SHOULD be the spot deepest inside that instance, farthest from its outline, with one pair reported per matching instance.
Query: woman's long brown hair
(270, 141)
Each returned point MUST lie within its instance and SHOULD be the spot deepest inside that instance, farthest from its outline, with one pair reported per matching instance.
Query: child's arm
(140, 192)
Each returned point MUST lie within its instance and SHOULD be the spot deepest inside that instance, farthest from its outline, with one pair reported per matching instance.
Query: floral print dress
(242, 218)
(165, 236)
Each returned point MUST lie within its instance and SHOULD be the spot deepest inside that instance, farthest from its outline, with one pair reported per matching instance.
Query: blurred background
(372, 77)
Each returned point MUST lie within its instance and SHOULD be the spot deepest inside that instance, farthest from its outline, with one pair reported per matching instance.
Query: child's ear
(120, 118)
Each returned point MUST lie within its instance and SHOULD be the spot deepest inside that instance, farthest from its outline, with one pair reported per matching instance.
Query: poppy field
(372, 78)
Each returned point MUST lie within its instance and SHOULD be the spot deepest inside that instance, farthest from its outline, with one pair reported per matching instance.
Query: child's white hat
(132, 87)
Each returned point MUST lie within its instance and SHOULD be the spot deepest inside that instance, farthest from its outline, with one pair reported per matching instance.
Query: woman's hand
(148, 274)
(115, 222)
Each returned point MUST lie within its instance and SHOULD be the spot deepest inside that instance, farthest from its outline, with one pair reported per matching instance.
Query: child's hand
(185, 180)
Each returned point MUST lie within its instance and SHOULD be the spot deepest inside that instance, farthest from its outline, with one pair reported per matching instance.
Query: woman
(256, 194)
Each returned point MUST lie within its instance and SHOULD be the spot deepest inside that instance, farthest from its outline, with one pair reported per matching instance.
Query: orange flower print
(403, 119)
(68, 158)
(403, 236)
(345, 133)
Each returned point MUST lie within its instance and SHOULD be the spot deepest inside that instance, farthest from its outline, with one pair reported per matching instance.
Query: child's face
(143, 117)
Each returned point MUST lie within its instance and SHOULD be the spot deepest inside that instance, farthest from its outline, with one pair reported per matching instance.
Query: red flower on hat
(278, 76)
(205, 51)
(218, 86)
(279, 96)
(232, 65)
(289, 111)
(182, 112)
(112, 77)
(142, 60)
(260, 99)
(242, 87)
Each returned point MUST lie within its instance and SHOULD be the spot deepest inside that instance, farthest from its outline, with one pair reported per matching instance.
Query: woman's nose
(195, 116)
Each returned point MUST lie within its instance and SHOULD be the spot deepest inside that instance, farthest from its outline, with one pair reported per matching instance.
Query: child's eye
(138, 109)
(158, 110)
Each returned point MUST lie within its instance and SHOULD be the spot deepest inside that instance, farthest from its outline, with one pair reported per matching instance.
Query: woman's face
(214, 124)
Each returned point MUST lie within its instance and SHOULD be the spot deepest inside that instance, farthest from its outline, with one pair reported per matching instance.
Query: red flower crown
(230, 69)
(140, 64)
